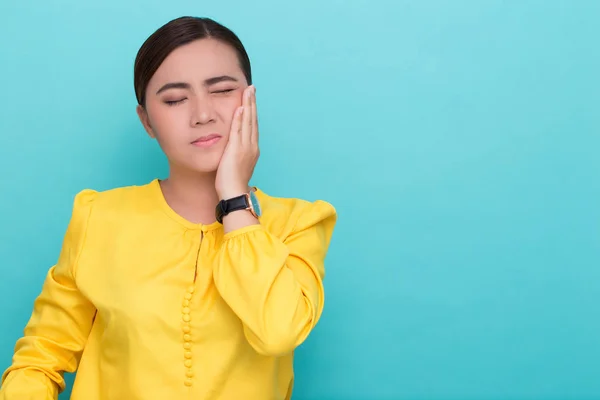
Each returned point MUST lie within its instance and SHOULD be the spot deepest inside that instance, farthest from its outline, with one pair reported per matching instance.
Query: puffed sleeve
(60, 322)
(275, 285)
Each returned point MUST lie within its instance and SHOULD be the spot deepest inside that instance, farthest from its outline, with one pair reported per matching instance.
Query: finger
(236, 124)
(254, 136)
(247, 118)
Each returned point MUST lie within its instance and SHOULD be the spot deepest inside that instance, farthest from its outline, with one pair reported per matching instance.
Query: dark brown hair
(174, 34)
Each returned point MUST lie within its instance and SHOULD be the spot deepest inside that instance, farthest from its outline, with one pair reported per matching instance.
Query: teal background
(458, 140)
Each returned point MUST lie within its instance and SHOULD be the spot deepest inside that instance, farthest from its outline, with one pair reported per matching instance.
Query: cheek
(166, 120)
(228, 106)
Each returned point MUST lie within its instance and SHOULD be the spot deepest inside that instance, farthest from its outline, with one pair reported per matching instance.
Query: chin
(208, 163)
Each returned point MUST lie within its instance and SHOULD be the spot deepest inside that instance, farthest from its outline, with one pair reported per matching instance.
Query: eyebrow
(207, 82)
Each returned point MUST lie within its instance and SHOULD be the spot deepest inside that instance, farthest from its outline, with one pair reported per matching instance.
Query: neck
(191, 195)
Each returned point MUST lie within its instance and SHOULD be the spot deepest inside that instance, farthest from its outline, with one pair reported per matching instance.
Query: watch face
(255, 204)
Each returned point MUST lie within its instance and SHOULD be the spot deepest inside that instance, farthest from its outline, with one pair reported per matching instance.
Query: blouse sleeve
(274, 285)
(59, 325)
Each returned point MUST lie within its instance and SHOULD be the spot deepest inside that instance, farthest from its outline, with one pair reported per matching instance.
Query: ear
(145, 120)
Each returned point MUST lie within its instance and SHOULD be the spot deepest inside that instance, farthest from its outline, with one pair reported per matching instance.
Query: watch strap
(227, 206)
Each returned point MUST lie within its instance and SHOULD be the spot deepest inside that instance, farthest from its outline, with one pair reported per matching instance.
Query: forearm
(254, 277)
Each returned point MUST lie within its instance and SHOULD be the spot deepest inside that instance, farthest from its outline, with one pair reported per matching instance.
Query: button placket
(187, 337)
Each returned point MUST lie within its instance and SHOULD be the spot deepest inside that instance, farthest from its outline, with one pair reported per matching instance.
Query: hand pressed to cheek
(241, 154)
(249, 118)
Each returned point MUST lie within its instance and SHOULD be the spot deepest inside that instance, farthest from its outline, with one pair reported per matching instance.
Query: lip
(206, 141)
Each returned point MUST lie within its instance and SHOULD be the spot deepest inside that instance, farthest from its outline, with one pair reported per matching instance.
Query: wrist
(232, 192)
(238, 200)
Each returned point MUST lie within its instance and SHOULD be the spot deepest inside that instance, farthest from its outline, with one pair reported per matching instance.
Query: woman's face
(190, 103)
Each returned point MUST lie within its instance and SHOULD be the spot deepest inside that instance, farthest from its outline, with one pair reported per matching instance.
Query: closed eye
(223, 91)
(174, 102)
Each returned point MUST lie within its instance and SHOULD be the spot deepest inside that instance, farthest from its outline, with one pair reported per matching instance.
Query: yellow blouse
(147, 305)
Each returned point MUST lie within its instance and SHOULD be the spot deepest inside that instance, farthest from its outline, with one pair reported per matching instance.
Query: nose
(203, 111)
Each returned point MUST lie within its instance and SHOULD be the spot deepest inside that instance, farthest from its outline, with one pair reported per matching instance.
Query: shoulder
(112, 201)
(288, 214)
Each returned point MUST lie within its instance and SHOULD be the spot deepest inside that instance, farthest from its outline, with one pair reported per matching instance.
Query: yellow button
(186, 317)
(186, 328)
(189, 373)
(188, 381)
(188, 296)
(187, 337)
(185, 310)
(188, 363)
(191, 289)
(187, 345)
(188, 355)
(186, 303)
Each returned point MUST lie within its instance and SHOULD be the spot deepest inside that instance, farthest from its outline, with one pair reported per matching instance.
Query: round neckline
(155, 184)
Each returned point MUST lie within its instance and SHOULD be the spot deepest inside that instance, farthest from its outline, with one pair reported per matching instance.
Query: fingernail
(240, 110)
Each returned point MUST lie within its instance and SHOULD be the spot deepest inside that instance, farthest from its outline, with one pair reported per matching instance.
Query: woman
(193, 287)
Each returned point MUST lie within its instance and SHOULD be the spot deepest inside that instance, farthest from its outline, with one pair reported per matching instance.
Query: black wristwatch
(246, 201)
